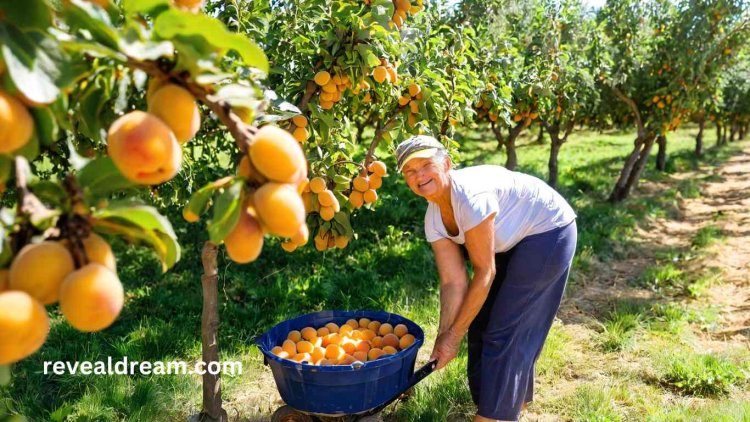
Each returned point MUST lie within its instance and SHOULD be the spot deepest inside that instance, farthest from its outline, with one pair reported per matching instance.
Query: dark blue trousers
(506, 337)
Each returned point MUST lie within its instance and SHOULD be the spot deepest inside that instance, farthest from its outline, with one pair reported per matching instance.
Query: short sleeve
(476, 209)
(430, 232)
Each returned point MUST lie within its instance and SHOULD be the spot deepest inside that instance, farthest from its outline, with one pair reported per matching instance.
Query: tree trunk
(555, 145)
(540, 137)
(498, 131)
(732, 132)
(632, 168)
(718, 133)
(212, 410)
(661, 155)
(699, 138)
(510, 145)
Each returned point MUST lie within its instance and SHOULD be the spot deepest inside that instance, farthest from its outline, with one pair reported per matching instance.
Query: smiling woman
(520, 236)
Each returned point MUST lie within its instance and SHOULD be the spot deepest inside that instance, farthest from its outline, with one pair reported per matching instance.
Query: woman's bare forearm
(472, 302)
(451, 298)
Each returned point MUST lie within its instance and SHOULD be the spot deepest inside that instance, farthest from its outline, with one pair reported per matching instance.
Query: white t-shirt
(523, 205)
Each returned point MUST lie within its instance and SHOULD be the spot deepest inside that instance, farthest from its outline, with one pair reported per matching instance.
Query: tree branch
(633, 107)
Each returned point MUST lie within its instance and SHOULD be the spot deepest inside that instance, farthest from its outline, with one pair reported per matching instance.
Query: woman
(520, 236)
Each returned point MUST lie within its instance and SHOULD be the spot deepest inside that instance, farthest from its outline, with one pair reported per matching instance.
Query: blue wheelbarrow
(341, 392)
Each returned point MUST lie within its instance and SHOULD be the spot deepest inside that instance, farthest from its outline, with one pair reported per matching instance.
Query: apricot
(403, 100)
(360, 356)
(243, 168)
(277, 350)
(294, 336)
(299, 120)
(326, 105)
(305, 347)
(389, 350)
(16, 124)
(321, 244)
(323, 331)
(326, 198)
(189, 4)
(414, 89)
(307, 202)
(374, 326)
(378, 167)
(288, 246)
(400, 330)
(385, 329)
(414, 107)
(290, 347)
(301, 237)
(143, 148)
(356, 199)
(98, 251)
(347, 360)
(190, 216)
(361, 183)
(301, 134)
(341, 241)
(332, 327)
(176, 107)
(321, 78)
(309, 333)
(364, 322)
(392, 74)
(317, 184)
(349, 345)
(375, 182)
(379, 74)
(91, 298)
(370, 196)
(374, 353)
(280, 209)
(345, 330)
(4, 279)
(353, 323)
(406, 341)
(277, 155)
(327, 213)
(245, 242)
(39, 270)
(363, 346)
(302, 357)
(24, 326)
(377, 342)
(317, 354)
(334, 351)
(390, 340)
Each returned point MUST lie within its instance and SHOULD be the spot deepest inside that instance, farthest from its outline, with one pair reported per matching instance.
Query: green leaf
(4, 375)
(27, 14)
(83, 15)
(37, 66)
(31, 150)
(49, 192)
(6, 166)
(226, 212)
(342, 218)
(90, 107)
(141, 222)
(101, 177)
(147, 7)
(367, 55)
(199, 201)
(45, 125)
(174, 23)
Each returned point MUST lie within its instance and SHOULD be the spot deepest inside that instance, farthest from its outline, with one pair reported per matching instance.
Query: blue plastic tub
(340, 389)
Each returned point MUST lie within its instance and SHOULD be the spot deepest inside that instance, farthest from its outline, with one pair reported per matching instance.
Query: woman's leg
(520, 319)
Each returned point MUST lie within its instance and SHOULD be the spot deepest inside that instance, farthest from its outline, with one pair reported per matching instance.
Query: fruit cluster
(364, 188)
(91, 297)
(385, 72)
(332, 88)
(354, 341)
(412, 100)
(403, 8)
(275, 207)
(146, 146)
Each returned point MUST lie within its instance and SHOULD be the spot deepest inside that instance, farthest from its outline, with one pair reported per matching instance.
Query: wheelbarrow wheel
(289, 414)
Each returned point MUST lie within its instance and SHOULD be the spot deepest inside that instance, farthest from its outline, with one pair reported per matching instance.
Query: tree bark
(661, 155)
(632, 168)
(212, 406)
(540, 137)
(718, 133)
(732, 132)
(555, 145)
(699, 138)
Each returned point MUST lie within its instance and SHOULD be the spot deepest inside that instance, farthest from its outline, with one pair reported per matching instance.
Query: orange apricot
(317, 184)
(39, 270)
(144, 148)
(364, 322)
(277, 155)
(323, 331)
(360, 355)
(299, 120)
(326, 198)
(245, 242)
(309, 333)
(374, 326)
(322, 78)
(361, 183)
(406, 341)
(24, 326)
(294, 336)
(375, 182)
(378, 167)
(370, 196)
(4, 280)
(290, 347)
(280, 209)
(377, 342)
(391, 340)
(380, 74)
(334, 351)
(374, 354)
(400, 330)
(385, 329)
(305, 347)
(91, 297)
(176, 107)
(389, 350)
(16, 123)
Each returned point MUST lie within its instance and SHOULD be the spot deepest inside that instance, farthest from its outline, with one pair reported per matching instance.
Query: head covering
(421, 146)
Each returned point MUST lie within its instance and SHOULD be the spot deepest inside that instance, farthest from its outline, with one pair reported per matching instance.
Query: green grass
(701, 375)
(707, 236)
(389, 267)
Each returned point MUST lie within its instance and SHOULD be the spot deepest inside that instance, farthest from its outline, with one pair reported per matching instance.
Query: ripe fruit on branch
(245, 242)
(143, 148)
(91, 298)
(16, 124)
(39, 269)
(24, 325)
(176, 107)
(277, 155)
(280, 209)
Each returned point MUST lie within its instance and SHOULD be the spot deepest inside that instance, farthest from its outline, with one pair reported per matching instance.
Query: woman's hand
(446, 348)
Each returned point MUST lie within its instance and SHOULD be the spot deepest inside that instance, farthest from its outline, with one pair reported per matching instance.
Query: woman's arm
(453, 280)
(480, 242)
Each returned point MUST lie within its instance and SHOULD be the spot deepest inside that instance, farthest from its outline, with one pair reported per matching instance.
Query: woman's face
(427, 177)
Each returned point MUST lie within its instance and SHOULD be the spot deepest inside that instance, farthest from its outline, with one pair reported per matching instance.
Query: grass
(390, 267)
(702, 375)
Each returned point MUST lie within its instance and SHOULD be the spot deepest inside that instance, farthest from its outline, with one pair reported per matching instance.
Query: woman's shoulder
(475, 180)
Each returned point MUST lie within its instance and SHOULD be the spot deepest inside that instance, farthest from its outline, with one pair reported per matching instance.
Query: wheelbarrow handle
(422, 373)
